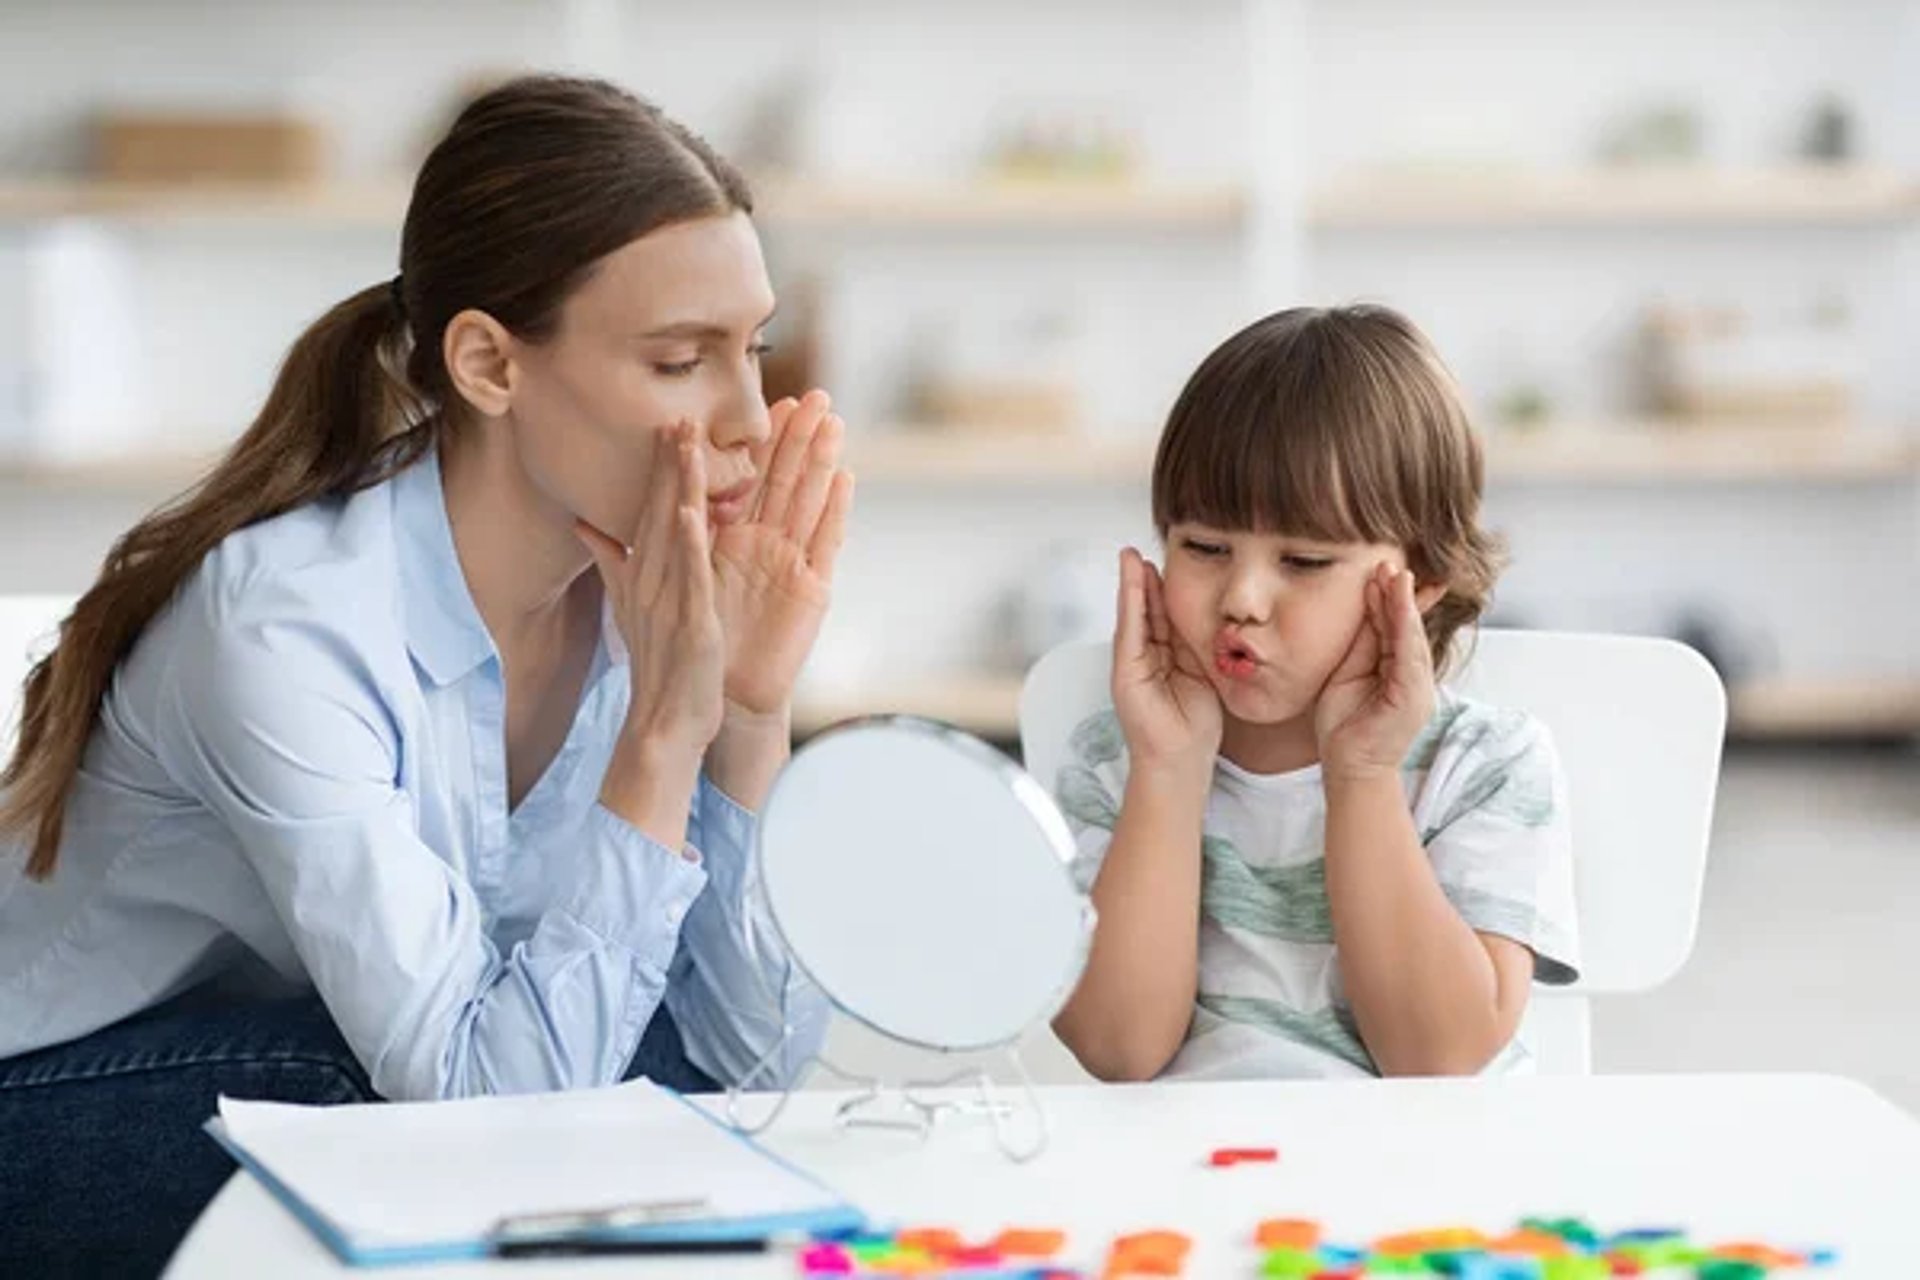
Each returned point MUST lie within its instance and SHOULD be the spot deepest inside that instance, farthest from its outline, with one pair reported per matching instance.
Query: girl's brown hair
(1337, 424)
(535, 182)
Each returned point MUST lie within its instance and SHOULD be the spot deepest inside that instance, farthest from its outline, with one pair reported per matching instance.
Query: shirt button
(674, 913)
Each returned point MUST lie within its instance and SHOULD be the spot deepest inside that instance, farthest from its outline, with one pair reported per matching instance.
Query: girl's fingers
(810, 497)
(1157, 627)
(1130, 610)
(792, 445)
(1411, 629)
(831, 533)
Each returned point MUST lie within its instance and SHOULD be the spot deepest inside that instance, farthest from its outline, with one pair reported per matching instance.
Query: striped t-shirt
(1488, 799)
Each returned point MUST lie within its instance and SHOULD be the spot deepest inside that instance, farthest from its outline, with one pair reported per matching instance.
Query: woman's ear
(478, 351)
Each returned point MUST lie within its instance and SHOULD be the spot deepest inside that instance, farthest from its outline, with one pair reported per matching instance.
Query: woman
(448, 698)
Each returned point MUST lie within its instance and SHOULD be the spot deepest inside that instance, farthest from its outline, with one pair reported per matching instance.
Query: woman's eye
(680, 370)
(760, 349)
(1208, 549)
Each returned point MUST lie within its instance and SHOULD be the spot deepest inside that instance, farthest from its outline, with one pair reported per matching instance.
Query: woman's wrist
(749, 752)
(649, 783)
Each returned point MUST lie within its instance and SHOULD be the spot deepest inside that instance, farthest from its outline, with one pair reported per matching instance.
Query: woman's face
(667, 329)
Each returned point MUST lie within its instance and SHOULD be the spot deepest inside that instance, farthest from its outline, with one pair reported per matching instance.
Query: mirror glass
(921, 879)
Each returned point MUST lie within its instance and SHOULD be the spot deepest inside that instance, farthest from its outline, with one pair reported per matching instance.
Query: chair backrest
(1638, 723)
(27, 627)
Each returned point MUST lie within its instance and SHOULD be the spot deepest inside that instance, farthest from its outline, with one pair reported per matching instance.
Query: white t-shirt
(1490, 804)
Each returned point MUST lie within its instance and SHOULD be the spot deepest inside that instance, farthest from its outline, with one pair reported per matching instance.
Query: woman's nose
(741, 418)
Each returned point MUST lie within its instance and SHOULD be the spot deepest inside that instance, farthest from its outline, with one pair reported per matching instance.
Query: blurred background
(1672, 249)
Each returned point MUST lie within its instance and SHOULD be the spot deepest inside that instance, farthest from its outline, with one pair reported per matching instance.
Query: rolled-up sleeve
(282, 733)
(737, 996)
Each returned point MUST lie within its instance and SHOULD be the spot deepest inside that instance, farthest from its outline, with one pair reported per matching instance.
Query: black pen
(587, 1246)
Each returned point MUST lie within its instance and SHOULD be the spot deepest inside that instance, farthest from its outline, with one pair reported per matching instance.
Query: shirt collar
(444, 631)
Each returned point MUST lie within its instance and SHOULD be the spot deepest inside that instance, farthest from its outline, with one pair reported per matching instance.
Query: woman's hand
(774, 570)
(1168, 709)
(661, 594)
(1382, 693)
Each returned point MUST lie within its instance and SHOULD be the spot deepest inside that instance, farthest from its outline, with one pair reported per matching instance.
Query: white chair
(1639, 724)
(27, 627)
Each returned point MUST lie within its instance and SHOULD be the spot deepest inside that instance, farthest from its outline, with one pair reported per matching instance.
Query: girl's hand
(1168, 709)
(774, 570)
(661, 594)
(1382, 693)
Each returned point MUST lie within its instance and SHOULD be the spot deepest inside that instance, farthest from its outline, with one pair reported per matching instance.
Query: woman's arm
(746, 1012)
(295, 753)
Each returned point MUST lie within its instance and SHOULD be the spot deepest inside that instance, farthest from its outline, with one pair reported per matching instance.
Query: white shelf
(1668, 194)
(781, 203)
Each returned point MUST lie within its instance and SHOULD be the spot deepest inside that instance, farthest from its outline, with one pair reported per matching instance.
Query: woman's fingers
(609, 556)
(695, 569)
(793, 444)
(778, 414)
(816, 483)
(831, 533)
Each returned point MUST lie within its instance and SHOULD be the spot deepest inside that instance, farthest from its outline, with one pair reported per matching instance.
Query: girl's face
(1268, 615)
(668, 328)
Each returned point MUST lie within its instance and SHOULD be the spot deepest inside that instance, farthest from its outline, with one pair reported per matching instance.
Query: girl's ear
(1428, 594)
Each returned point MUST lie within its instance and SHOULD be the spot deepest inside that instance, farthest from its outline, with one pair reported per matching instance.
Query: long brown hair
(535, 182)
(1338, 424)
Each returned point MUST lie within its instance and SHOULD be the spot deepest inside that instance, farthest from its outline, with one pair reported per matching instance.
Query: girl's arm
(1130, 1012)
(1432, 996)
(1134, 1003)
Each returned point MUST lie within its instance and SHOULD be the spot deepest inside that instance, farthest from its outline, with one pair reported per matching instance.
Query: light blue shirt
(299, 778)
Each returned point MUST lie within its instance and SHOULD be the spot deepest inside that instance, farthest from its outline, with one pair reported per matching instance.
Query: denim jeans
(103, 1164)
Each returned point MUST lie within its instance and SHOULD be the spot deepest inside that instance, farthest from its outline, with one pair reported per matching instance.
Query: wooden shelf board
(780, 203)
(1641, 452)
(988, 704)
(982, 703)
(1862, 706)
(1656, 451)
(989, 203)
(1600, 196)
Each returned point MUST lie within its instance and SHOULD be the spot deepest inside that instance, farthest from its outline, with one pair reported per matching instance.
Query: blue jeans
(103, 1165)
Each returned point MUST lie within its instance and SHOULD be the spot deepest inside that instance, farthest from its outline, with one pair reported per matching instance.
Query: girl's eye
(1307, 564)
(1206, 549)
(680, 370)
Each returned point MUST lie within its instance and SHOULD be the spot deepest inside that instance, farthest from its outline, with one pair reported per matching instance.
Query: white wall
(1277, 93)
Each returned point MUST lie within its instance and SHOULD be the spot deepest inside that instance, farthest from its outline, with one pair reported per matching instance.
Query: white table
(1788, 1160)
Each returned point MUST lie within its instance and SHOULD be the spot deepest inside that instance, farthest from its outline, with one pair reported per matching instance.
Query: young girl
(1309, 861)
(449, 696)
